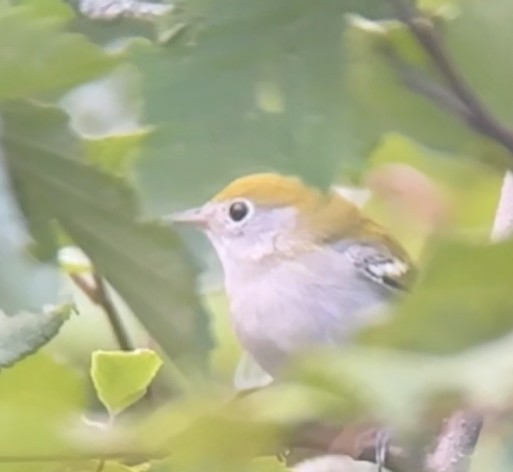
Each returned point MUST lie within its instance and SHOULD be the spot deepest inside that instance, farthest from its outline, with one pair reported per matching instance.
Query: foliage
(122, 378)
(312, 88)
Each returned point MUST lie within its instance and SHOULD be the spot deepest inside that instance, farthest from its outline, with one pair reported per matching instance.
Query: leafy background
(107, 125)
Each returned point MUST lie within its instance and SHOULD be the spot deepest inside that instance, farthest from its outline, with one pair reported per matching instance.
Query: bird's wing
(379, 264)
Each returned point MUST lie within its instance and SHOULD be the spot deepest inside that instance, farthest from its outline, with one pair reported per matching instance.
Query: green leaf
(471, 188)
(111, 466)
(462, 301)
(40, 402)
(115, 154)
(25, 283)
(121, 378)
(45, 58)
(144, 262)
(253, 86)
(47, 8)
(24, 333)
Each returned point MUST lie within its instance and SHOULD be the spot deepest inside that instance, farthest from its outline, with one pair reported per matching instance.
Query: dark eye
(238, 211)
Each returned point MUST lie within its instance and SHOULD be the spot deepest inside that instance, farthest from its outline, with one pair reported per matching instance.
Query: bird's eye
(238, 211)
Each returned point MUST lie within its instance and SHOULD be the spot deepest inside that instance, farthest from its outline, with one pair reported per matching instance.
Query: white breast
(314, 300)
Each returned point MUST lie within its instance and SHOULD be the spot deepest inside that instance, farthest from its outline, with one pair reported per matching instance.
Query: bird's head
(271, 216)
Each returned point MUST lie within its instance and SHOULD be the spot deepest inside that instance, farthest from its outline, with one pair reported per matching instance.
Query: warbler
(302, 267)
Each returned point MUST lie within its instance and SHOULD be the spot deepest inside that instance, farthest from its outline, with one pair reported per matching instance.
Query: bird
(303, 267)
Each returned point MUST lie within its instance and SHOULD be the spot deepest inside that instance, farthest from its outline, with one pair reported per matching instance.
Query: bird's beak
(193, 217)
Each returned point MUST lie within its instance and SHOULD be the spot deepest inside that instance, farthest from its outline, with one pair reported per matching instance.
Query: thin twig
(121, 334)
(87, 289)
(479, 118)
(422, 85)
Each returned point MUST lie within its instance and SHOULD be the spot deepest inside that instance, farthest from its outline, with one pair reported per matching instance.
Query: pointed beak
(193, 217)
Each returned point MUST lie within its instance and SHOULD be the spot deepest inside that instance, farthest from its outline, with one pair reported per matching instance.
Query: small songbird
(302, 267)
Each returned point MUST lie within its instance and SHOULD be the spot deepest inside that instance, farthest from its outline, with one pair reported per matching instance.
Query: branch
(455, 443)
(422, 85)
(116, 324)
(478, 117)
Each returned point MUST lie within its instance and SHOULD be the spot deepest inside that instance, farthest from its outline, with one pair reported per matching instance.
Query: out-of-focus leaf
(121, 378)
(145, 263)
(114, 154)
(24, 333)
(384, 54)
(40, 400)
(46, 58)
(203, 436)
(111, 466)
(400, 386)
(250, 86)
(435, 5)
(25, 284)
(463, 300)
(471, 189)
(268, 464)
(47, 8)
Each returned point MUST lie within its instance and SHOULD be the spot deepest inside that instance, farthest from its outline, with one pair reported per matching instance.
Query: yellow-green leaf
(121, 378)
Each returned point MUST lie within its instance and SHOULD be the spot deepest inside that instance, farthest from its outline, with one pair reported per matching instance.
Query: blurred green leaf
(40, 402)
(25, 284)
(222, 442)
(115, 154)
(248, 86)
(471, 188)
(462, 301)
(47, 8)
(268, 464)
(385, 55)
(24, 333)
(122, 378)
(111, 466)
(52, 59)
(144, 262)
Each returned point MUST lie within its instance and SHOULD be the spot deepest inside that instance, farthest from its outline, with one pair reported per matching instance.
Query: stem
(87, 289)
(116, 324)
(479, 118)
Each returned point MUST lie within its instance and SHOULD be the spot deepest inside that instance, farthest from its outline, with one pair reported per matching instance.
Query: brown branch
(104, 300)
(479, 117)
(422, 85)
(88, 289)
(97, 294)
